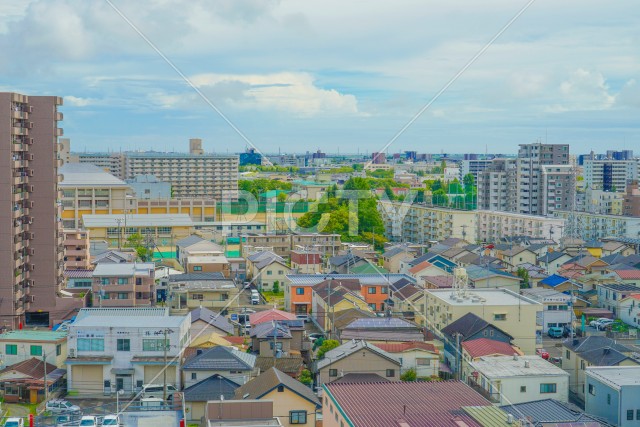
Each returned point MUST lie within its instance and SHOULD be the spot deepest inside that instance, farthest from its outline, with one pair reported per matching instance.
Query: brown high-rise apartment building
(31, 256)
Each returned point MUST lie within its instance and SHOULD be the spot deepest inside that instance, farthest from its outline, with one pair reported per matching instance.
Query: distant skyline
(298, 76)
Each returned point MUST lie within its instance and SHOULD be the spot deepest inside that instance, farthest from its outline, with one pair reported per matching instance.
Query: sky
(342, 76)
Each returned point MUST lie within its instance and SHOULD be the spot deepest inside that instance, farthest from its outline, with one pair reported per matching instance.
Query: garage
(87, 379)
(153, 374)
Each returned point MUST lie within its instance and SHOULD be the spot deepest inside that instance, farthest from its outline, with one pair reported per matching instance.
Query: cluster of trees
(137, 242)
(275, 168)
(464, 195)
(260, 185)
(335, 212)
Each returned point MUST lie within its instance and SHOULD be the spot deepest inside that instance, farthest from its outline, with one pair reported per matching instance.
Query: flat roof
(127, 317)
(487, 297)
(87, 175)
(365, 279)
(24, 335)
(616, 376)
(137, 220)
(124, 269)
(521, 366)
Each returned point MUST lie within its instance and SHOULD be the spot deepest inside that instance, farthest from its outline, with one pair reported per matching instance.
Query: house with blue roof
(558, 283)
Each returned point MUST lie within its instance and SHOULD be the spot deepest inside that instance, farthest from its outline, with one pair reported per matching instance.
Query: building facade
(491, 226)
(124, 284)
(609, 174)
(76, 250)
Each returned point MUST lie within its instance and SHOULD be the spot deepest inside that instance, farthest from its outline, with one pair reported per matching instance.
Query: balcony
(76, 264)
(76, 242)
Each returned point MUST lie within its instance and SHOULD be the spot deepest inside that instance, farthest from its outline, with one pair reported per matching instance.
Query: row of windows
(388, 372)
(122, 344)
(34, 350)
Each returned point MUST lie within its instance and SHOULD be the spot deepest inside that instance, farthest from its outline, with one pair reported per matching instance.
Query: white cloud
(78, 102)
(584, 91)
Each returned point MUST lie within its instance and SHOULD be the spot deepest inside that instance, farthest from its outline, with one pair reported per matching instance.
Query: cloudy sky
(339, 75)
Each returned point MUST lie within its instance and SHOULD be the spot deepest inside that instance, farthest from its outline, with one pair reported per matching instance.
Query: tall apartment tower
(31, 256)
(195, 146)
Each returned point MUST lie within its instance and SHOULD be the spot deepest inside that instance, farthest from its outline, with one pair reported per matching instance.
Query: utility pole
(46, 387)
(164, 371)
(275, 342)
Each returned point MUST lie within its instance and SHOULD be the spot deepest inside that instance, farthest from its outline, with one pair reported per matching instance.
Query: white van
(155, 391)
(255, 299)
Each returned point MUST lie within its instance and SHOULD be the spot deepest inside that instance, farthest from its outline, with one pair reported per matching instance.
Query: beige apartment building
(76, 250)
(124, 285)
(190, 175)
(493, 225)
(112, 163)
(505, 309)
(31, 236)
(421, 223)
(282, 244)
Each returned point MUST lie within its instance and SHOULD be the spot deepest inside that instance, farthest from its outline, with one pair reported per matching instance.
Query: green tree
(469, 182)
(358, 167)
(276, 287)
(436, 185)
(409, 375)
(439, 198)
(282, 197)
(305, 377)
(327, 345)
(389, 192)
(136, 241)
(523, 274)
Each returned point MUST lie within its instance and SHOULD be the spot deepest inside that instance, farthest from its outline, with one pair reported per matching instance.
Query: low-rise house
(192, 290)
(20, 345)
(613, 393)
(279, 338)
(517, 255)
(306, 262)
(114, 257)
(556, 310)
(425, 269)
(551, 261)
(271, 315)
(627, 275)
(215, 387)
(112, 349)
(399, 404)
(229, 362)
(343, 264)
(356, 356)
(330, 299)
(438, 282)
(517, 379)
(392, 256)
(239, 413)
(381, 329)
(613, 247)
(550, 412)
(196, 246)
(291, 365)
(124, 284)
(580, 353)
(629, 310)
(208, 264)
(610, 295)
(205, 321)
(473, 350)
(295, 402)
(468, 328)
(559, 283)
(266, 269)
(481, 277)
(25, 381)
(422, 357)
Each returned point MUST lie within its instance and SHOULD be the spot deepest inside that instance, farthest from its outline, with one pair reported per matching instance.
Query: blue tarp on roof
(554, 280)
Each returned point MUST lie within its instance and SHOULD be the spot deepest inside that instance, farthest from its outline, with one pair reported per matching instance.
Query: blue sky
(338, 75)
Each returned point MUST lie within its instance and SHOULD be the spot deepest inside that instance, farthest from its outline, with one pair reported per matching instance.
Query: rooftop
(124, 269)
(26, 335)
(487, 347)
(211, 388)
(269, 380)
(221, 358)
(127, 318)
(137, 220)
(350, 347)
(616, 376)
(425, 404)
(87, 175)
(550, 411)
(365, 279)
(521, 366)
(485, 297)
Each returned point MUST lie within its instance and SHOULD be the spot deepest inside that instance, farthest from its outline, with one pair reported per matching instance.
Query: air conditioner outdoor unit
(72, 353)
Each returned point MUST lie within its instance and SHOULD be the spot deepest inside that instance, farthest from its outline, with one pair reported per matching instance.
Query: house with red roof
(424, 269)
(484, 347)
(630, 310)
(630, 276)
(270, 315)
(423, 357)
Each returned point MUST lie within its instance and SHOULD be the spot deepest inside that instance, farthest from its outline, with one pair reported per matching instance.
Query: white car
(156, 391)
(604, 323)
(89, 421)
(59, 406)
(14, 422)
(112, 420)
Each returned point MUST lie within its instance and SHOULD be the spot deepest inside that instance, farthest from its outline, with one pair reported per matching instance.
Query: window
(582, 365)
(548, 388)
(372, 306)
(104, 281)
(592, 390)
(124, 344)
(194, 376)
(608, 399)
(278, 345)
(391, 372)
(568, 355)
(499, 316)
(280, 389)
(523, 389)
(372, 290)
(299, 291)
(11, 349)
(423, 361)
(629, 414)
(197, 268)
(123, 295)
(198, 297)
(122, 281)
(58, 349)
(36, 350)
(153, 344)
(637, 414)
(90, 344)
(333, 372)
(297, 417)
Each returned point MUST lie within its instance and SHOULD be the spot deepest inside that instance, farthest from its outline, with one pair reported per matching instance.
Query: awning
(116, 371)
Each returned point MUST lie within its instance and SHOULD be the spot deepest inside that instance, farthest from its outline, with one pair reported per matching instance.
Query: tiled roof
(425, 404)
(551, 256)
(269, 330)
(344, 317)
(269, 315)
(467, 325)
(33, 368)
(188, 241)
(262, 259)
(419, 267)
(356, 377)
(486, 347)
(290, 365)
(598, 350)
(349, 348)
(439, 281)
(214, 319)
(211, 388)
(78, 274)
(221, 359)
(548, 411)
(406, 292)
(269, 380)
(395, 251)
(628, 274)
(381, 335)
(399, 347)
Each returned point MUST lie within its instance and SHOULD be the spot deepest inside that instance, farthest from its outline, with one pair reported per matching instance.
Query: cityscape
(262, 262)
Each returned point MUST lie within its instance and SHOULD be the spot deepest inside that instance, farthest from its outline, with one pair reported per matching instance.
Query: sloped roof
(345, 317)
(486, 347)
(630, 274)
(439, 281)
(598, 350)
(221, 359)
(399, 347)
(290, 365)
(554, 280)
(196, 277)
(188, 241)
(271, 379)
(112, 257)
(350, 347)
(419, 267)
(265, 258)
(395, 251)
(213, 319)
(551, 256)
(548, 411)
(269, 315)
(32, 368)
(269, 330)
(468, 325)
(357, 377)
(211, 388)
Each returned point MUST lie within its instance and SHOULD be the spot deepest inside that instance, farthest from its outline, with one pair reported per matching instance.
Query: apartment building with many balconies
(30, 235)
(609, 174)
(591, 226)
(124, 284)
(112, 163)
(491, 226)
(76, 250)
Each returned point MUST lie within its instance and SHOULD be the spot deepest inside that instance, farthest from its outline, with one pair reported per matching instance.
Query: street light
(118, 394)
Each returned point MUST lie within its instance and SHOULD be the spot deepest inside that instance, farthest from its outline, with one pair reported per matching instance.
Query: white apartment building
(111, 349)
(473, 167)
(420, 223)
(556, 310)
(609, 175)
(493, 225)
(592, 226)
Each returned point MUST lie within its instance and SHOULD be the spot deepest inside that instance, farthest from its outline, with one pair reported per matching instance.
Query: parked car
(555, 332)
(602, 325)
(59, 406)
(595, 323)
(67, 420)
(112, 420)
(151, 404)
(156, 391)
(556, 360)
(14, 422)
(568, 331)
(89, 421)
(542, 353)
(255, 299)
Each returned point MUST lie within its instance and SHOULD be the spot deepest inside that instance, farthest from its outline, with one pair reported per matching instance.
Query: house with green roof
(20, 345)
